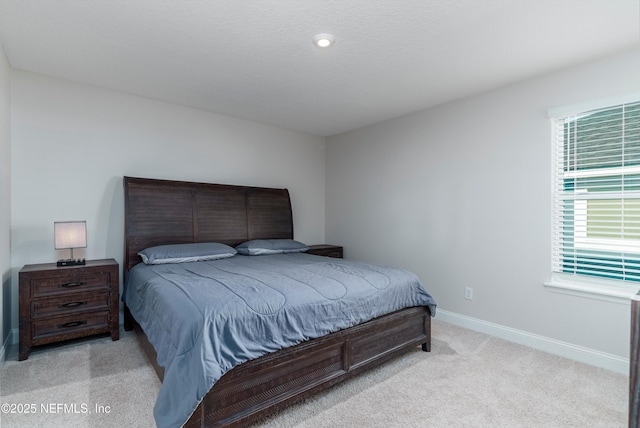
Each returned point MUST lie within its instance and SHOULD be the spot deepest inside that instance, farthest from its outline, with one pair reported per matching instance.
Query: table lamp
(70, 234)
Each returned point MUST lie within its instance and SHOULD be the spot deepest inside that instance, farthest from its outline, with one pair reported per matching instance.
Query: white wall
(72, 144)
(5, 200)
(461, 195)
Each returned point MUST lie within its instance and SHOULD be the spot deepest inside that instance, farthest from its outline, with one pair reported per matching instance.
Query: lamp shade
(70, 234)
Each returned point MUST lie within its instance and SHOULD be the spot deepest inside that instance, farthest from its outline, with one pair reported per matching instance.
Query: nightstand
(326, 250)
(61, 303)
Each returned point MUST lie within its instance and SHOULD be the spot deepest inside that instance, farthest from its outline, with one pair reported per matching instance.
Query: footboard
(263, 386)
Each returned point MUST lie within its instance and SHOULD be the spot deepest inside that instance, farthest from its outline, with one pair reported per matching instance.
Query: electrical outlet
(468, 293)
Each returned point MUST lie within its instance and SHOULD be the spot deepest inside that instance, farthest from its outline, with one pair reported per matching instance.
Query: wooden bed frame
(172, 212)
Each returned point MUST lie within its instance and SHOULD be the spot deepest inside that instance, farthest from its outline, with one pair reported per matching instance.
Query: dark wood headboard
(159, 212)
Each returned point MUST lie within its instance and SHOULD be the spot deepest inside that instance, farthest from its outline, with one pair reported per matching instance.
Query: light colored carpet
(468, 380)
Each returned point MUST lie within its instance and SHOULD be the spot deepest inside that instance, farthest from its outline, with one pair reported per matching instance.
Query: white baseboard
(578, 353)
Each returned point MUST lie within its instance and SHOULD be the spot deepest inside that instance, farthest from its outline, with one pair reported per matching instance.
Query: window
(596, 192)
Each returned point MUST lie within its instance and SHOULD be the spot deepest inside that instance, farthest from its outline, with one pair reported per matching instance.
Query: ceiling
(254, 59)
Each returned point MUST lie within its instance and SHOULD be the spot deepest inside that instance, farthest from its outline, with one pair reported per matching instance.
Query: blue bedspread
(204, 318)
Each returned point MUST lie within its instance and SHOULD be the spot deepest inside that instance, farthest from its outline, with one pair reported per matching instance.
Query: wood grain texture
(62, 303)
(161, 212)
(165, 212)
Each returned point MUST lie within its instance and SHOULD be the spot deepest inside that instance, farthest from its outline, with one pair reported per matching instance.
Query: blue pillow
(259, 247)
(182, 253)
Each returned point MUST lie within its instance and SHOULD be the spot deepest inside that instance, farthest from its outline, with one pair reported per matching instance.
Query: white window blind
(596, 192)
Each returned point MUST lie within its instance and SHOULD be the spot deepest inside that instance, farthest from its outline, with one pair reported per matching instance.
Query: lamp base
(71, 262)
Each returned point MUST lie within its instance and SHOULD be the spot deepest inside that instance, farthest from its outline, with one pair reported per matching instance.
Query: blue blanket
(204, 318)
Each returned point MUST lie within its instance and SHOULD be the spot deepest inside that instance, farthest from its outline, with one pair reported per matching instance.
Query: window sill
(609, 291)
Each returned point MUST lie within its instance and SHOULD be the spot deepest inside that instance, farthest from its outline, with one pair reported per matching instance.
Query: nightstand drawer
(69, 303)
(68, 283)
(70, 324)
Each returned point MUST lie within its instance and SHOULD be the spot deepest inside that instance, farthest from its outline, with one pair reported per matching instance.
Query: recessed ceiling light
(323, 40)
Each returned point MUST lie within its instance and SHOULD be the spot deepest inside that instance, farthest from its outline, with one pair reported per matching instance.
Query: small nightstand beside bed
(239, 332)
(62, 303)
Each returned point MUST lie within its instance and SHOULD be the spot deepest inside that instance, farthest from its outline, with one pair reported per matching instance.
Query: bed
(265, 377)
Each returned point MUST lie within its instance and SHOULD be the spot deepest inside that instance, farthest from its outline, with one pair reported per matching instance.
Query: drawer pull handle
(72, 304)
(73, 284)
(72, 324)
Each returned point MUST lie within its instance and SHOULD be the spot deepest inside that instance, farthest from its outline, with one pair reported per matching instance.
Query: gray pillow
(182, 253)
(258, 247)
